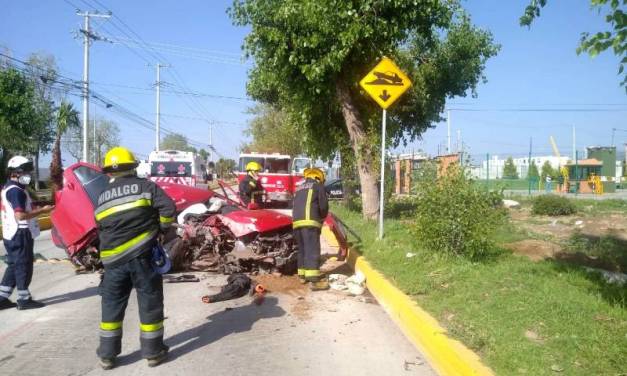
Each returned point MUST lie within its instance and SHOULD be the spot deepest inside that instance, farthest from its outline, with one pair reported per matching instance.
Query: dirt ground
(548, 237)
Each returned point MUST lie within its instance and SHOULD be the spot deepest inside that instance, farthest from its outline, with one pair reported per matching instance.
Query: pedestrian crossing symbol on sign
(385, 83)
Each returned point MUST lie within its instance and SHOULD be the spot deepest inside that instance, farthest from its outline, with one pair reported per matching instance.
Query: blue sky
(537, 68)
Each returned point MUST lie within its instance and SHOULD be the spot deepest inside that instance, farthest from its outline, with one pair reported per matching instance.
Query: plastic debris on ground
(354, 285)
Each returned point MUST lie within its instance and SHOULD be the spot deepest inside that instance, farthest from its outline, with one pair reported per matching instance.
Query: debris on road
(168, 278)
(354, 285)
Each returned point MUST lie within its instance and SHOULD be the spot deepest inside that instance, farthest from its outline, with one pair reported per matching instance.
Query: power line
(537, 110)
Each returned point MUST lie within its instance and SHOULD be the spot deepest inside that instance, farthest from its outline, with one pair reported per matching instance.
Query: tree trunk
(364, 156)
(56, 169)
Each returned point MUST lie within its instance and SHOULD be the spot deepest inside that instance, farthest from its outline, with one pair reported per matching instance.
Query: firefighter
(250, 189)
(309, 211)
(19, 228)
(130, 215)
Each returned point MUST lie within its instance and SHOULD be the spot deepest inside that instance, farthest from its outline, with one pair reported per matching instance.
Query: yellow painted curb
(44, 224)
(447, 356)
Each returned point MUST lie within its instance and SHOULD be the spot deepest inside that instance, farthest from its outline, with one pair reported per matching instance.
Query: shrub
(552, 205)
(456, 216)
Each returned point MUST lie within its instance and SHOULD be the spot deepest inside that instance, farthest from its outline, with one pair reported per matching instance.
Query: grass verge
(521, 317)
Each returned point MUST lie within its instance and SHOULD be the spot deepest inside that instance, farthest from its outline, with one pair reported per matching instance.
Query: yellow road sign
(385, 83)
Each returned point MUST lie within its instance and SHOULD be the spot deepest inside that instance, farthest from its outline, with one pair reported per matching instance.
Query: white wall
(496, 165)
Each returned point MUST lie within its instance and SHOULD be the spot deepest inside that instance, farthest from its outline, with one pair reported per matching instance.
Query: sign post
(385, 83)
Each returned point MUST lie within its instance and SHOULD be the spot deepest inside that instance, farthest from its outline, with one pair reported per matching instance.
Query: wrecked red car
(213, 232)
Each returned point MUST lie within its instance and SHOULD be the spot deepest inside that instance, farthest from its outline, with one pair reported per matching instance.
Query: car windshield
(277, 165)
(171, 169)
(94, 182)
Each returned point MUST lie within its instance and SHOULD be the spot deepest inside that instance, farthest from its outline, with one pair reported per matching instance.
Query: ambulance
(177, 167)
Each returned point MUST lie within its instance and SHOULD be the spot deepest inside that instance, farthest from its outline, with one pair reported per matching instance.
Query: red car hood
(244, 222)
(184, 195)
(74, 226)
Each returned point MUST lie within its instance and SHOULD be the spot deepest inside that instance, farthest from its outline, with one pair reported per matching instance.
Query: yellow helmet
(253, 166)
(119, 159)
(314, 173)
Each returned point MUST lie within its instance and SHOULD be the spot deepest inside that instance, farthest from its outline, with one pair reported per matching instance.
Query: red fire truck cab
(280, 175)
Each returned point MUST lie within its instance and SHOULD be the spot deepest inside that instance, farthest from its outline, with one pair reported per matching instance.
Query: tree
(224, 167)
(596, 43)
(42, 70)
(107, 136)
(547, 170)
(204, 154)
(66, 119)
(533, 173)
(176, 141)
(309, 56)
(272, 132)
(17, 114)
(509, 170)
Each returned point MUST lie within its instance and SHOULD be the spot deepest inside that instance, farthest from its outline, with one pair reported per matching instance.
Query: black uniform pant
(308, 240)
(19, 272)
(115, 289)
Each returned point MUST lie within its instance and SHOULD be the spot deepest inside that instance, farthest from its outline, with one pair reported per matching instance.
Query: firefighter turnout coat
(129, 215)
(310, 205)
(250, 190)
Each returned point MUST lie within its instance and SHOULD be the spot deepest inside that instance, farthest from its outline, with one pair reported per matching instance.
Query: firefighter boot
(107, 363)
(6, 303)
(29, 304)
(159, 358)
(319, 285)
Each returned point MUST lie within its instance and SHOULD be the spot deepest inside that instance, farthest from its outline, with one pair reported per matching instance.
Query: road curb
(447, 356)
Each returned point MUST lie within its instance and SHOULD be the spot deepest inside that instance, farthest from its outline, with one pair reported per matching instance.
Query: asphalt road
(293, 331)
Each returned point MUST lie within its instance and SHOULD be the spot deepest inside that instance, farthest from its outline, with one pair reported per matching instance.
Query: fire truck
(178, 167)
(280, 176)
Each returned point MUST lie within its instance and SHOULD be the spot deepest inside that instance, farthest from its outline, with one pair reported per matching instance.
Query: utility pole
(210, 142)
(158, 115)
(448, 132)
(94, 140)
(574, 144)
(613, 133)
(87, 37)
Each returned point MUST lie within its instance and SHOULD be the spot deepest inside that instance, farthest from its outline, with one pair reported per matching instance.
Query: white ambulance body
(178, 167)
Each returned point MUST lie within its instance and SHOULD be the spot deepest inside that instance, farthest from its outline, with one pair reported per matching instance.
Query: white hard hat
(20, 164)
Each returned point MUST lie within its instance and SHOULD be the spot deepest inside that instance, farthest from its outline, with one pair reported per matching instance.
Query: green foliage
(204, 154)
(553, 205)
(455, 216)
(509, 170)
(598, 42)
(547, 170)
(176, 141)
(107, 135)
(490, 306)
(309, 56)
(224, 167)
(18, 111)
(533, 173)
(66, 118)
(272, 132)
(42, 70)
(303, 48)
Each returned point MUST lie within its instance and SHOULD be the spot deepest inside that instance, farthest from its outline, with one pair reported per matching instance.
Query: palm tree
(66, 118)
